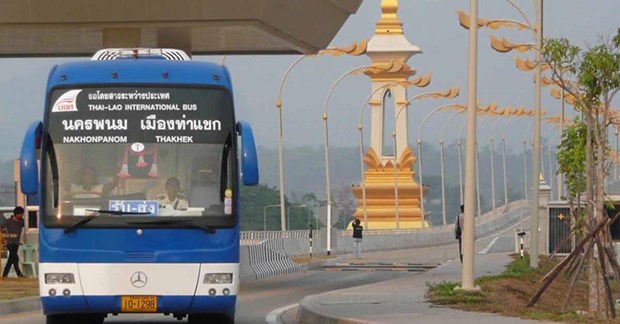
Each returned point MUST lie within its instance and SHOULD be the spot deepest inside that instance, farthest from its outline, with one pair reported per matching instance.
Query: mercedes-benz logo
(138, 279)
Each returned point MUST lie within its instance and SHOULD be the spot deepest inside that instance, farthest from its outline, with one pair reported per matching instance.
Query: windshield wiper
(94, 214)
(208, 229)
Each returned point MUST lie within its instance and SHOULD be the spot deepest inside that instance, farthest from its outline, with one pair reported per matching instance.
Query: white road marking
(274, 316)
(486, 249)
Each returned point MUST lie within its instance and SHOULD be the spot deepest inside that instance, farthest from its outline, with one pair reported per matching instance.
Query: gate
(559, 228)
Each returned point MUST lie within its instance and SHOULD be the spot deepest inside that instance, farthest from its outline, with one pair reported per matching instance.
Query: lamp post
(353, 50)
(616, 162)
(421, 82)
(443, 182)
(326, 144)
(288, 213)
(537, 32)
(504, 159)
(280, 141)
(420, 165)
(360, 128)
(504, 47)
(470, 159)
(525, 161)
(544, 135)
(265, 216)
(475, 165)
(493, 164)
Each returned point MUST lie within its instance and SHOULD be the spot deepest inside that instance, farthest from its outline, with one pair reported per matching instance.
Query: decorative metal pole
(280, 141)
(534, 247)
(326, 144)
(470, 160)
(443, 177)
(525, 188)
(460, 145)
(504, 159)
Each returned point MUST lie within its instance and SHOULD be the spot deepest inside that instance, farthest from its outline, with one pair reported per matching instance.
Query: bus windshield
(140, 155)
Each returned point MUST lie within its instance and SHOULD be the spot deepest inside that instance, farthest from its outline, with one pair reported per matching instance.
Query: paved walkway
(402, 300)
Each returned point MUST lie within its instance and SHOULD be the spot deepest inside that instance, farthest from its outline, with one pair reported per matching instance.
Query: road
(257, 298)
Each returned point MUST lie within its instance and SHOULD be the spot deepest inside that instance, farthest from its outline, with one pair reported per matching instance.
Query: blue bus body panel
(138, 71)
(95, 245)
(112, 304)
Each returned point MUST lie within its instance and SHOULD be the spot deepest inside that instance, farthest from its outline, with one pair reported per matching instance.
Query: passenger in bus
(86, 185)
(172, 201)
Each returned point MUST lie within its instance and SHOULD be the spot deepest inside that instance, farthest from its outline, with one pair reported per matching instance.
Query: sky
(432, 25)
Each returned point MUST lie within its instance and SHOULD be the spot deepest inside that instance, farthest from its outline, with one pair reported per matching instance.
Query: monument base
(391, 225)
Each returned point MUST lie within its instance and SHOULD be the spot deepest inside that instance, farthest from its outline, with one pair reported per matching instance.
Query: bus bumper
(165, 304)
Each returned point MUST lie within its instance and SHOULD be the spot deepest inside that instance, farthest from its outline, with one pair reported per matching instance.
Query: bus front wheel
(210, 318)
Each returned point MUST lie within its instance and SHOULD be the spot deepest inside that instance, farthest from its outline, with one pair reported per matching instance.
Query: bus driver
(172, 200)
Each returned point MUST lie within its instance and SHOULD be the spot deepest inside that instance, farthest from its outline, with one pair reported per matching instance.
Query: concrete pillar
(544, 193)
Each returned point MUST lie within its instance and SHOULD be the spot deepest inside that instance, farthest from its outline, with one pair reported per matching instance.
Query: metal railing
(256, 237)
(489, 216)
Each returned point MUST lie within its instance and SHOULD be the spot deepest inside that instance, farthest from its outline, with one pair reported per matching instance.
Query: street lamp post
(280, 141)
(525, 181)
(537, 32)
(441, 144)
(420, 169)
(326, 144)
(470, 159)
(354, 50)
(465, 123)
(265, 216)
(536, 154)
(616, 162)
(419, 82)
(504, 160)
(493, 163)
(360, 128)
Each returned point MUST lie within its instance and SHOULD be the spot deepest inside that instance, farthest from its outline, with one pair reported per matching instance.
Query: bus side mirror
(28, 168)
(249, 162)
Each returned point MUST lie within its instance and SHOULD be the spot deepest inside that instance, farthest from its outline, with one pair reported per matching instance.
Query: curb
(308, 315)
(22, 305)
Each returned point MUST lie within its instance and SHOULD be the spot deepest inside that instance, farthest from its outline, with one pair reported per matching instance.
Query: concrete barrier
(269, 252)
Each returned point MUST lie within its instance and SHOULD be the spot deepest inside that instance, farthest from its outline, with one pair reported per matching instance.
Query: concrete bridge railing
(297, 243)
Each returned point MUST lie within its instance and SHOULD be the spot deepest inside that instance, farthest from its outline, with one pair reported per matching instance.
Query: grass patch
(14, 288)
(508, 294)
(445, 293)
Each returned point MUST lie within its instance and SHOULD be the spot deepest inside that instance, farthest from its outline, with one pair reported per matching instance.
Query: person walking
(458, 229)
(14, 227)
(357, 237)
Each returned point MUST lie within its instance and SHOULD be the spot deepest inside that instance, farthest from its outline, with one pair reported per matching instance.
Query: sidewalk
(402, 300)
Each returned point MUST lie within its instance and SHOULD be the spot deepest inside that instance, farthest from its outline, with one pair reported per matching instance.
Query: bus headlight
(218, 278)
(59, 278)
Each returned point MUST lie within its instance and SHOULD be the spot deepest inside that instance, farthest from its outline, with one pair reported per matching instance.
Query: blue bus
(140, 160)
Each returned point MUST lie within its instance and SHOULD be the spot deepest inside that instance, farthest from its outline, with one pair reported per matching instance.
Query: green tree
(260, 209)
(253, 202)
(590, 78)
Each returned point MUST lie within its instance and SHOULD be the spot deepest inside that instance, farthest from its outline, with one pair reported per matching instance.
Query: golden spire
(389, 22)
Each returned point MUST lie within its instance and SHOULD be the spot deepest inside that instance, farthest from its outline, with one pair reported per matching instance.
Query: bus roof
(139, 71)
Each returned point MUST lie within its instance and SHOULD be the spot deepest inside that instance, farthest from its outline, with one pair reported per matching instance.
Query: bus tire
(210, 318)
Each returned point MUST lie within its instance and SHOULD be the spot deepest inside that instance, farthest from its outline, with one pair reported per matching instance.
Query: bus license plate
(139, 304)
